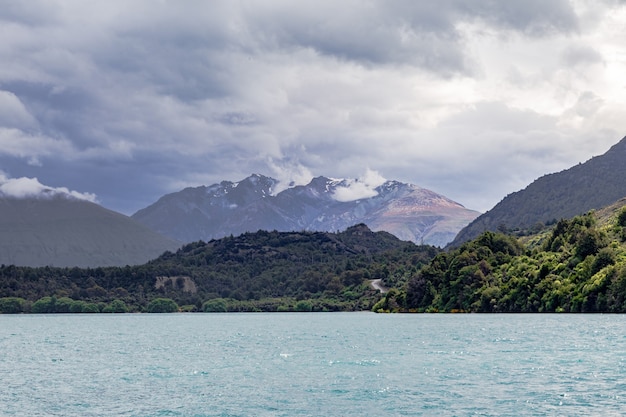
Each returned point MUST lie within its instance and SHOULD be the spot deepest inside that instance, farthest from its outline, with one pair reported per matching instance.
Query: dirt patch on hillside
(180, 282)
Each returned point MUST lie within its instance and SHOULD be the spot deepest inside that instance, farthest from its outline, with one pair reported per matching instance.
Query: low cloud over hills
(46, 226)
(32, 188)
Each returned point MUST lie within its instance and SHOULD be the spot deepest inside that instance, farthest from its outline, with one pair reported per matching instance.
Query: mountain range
(592, 185)
(64, 231)
(405, 210)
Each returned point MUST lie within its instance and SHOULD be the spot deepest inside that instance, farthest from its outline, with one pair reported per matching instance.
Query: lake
(312, 364)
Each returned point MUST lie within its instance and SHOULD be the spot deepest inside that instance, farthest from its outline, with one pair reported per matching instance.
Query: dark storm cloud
(408, 32)
(28, 13)
(130, 100)
(44, 97)
(59, 112)
(184, 66)
(367, 33)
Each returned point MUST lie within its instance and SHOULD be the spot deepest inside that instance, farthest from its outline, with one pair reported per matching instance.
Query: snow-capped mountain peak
(324, 204)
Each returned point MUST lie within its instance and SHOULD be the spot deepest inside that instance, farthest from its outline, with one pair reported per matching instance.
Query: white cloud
(31, 146)
(13, 114)
(31, 188)
(356, 189)
(289, 174)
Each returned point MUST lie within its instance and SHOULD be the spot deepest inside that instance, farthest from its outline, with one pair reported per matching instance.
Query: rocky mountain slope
(596, 183)
(404, 210)
(63, 231)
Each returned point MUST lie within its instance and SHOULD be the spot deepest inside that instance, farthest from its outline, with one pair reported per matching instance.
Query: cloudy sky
(124, 101)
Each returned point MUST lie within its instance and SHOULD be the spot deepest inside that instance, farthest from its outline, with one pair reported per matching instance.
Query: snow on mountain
(324, 204)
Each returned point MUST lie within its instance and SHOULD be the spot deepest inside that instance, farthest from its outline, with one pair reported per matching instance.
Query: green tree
(621, 218)
(91, 308)
(63, 305)
(11, 305)
(217, 305)
(604, 258)
(44, 305)
(116, 306)
(77, 306)
(303, 306)
(392, 302)
(589, 243)
(420, 292)
(162, 305)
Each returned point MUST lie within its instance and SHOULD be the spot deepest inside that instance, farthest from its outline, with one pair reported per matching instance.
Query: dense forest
(262, 271)
(578, 266)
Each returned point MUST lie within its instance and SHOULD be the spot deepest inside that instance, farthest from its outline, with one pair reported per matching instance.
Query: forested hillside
(262, 271)
(65, 232)
(578, 266)
(589, 186)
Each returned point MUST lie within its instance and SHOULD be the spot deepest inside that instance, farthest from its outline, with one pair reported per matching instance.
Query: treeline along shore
(575, 265)
(262, 271)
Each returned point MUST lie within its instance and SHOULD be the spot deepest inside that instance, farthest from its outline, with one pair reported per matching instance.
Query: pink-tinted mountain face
(405, 210)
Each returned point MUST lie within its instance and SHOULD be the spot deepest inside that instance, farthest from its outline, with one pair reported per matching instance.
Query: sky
(121, 102)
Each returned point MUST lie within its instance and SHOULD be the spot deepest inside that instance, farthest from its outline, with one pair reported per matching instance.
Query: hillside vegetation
(65, 232)
(589, 186)
(577, 266)
(262, 271)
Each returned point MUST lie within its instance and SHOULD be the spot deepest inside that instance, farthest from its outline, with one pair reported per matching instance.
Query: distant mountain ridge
(66, 232)
(405, 210)
(594, 184)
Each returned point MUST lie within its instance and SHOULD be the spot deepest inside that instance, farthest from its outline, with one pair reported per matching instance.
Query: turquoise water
(315, 364)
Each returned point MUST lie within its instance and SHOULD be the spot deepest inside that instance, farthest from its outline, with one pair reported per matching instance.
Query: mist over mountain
(58, 229)
(405, 210)
(31, 188)
(594, 184)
